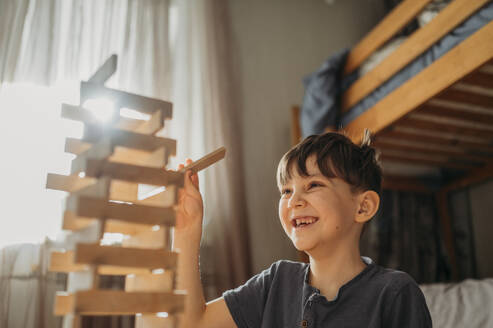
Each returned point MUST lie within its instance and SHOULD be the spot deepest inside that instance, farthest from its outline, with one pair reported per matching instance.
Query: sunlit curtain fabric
(172, 50)
(204, 90)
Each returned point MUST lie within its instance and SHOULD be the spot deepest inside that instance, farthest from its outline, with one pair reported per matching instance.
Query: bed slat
(455, 64)
(388, 27)
(416, 44)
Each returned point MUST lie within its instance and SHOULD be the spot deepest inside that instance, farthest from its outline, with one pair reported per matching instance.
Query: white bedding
(466, 304)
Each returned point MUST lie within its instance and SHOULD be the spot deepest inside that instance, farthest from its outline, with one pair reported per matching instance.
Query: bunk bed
(429, 103)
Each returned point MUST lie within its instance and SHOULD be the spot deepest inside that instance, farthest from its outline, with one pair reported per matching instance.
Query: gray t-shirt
(281, 297)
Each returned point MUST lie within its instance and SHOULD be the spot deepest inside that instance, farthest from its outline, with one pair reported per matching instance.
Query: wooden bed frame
(441, 117)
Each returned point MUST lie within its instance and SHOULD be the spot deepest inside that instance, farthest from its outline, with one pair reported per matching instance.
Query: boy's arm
(186, 240)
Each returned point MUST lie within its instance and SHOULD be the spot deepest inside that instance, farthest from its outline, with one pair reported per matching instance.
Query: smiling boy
(329, 189)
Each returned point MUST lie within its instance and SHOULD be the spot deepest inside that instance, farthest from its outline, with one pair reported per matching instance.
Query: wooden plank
(206, 161)
(480, 79)
(64, 262)
(163, 198)
(132, 173)
(479, 175)
(139, 103)
(483, 101)
(132, 140)
(161, 282)
(64, 303)
(416, 44)
(68, 183)
(74, 223)
(465, 115)
(95, 254)
(405, 184)
(439, 138)
(380, 34)
(425, 124)
(100, 208)
(105, 71)
(153, 158)
(436, 161)
(113, 302)
(101, 150)
(81, 114)
(454, 153)
(458, 62)
(76, 146)
(151, 239)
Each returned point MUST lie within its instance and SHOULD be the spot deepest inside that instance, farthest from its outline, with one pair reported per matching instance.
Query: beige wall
(276, 44)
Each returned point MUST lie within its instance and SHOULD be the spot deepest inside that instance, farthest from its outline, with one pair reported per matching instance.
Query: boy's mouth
(305, 221)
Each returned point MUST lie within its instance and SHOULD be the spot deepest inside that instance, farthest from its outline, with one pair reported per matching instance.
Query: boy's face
(325, 209)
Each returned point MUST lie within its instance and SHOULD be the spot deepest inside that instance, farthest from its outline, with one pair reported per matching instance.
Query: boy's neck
(330, 271)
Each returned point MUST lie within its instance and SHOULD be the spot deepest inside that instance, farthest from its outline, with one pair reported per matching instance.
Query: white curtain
(176, 50)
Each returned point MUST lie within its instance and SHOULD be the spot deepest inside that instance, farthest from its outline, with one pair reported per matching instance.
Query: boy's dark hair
(337, 156)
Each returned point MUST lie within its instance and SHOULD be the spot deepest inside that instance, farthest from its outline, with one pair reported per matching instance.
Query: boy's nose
(296, 201)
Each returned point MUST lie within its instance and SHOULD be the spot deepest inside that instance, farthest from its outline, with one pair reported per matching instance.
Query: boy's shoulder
(392, 279)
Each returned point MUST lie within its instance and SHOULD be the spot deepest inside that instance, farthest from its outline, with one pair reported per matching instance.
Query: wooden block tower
(112, 160)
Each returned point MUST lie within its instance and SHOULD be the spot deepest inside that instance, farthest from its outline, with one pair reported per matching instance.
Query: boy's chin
(302, 246)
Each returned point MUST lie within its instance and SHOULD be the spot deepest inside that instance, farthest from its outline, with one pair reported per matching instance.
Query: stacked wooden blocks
(112, 160)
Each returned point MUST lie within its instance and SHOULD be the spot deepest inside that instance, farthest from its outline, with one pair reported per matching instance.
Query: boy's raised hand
(190, 208)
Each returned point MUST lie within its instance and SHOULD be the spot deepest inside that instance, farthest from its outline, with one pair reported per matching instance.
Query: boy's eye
(314, 184)
(285, 191)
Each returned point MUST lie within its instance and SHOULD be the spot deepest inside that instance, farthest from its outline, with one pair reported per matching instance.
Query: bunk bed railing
(466, 57)
(387, 28)
(450, 17)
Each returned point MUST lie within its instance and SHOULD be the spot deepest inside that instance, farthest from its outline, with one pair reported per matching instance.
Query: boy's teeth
(305, 221)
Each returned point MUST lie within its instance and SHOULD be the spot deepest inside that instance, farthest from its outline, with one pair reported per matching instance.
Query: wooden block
(112, 302)
(164, 198)
(162, 282)
(206, 161)
(76, 146)
(81, 114)
(105, 71)
(89, 90)
(148, 239)
(64, 262)
(132, 140)
(99, 189)
(69, 183)
(74, 223)
(121, 256)
(64, 303)
(155, 158)
(132, 173)
(100, 208)
(154, 321)
(151, 126)
(102, 150)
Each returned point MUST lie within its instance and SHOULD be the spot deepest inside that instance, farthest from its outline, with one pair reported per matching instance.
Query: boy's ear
(368, 203)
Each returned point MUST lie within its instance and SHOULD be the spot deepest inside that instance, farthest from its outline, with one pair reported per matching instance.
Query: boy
(329, 189)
